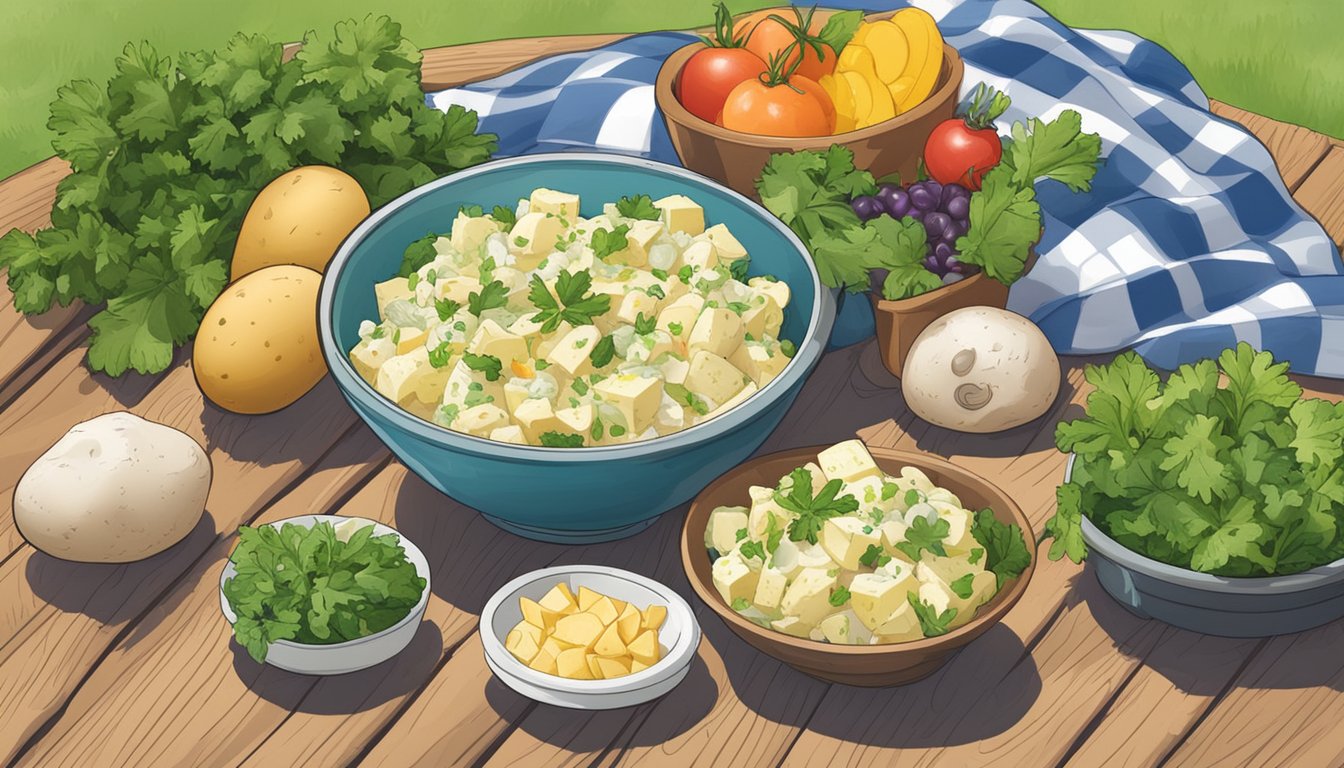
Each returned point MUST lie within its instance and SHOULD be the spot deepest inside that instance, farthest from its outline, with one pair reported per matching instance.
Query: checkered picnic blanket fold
(1188, 242)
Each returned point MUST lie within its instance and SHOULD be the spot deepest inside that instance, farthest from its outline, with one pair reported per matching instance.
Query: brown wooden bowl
(736, 159)
(863, 665)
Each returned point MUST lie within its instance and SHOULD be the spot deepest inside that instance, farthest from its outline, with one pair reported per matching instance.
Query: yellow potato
(299, 218)
(257, 348)
(585, 636)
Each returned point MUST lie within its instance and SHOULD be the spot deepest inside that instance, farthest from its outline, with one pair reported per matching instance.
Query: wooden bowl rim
(692, 545)
(674, 111)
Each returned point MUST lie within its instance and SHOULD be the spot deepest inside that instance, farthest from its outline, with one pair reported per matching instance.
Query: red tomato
(767, 37)
(956, 152)
(778, 110)
(710, 75)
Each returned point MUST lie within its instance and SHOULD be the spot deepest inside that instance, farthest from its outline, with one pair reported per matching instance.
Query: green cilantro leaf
(922, 535)
(812, 511)
(975, 555)
(1006, 550)
(418, 254)
(606, 242)
(561, 440)
(962, 587)
(492, 296)
(740, 604)
(505, 216)
(750, 549)
(773, 533)
(572, 303)
(645, 325)
(1056, 150)
(840, 29)
(486, 364)
(603, 352)
(638, 207)
(685, 397)
(738, 269)
(839, 596)
(439, 356)
(446, 308)
(931, 622)
(874, 557)
(1005, 223)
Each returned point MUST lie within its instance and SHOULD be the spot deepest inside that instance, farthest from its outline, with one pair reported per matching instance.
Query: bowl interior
(974, 491)
(677, 637)
(376, 247)
(413, 555)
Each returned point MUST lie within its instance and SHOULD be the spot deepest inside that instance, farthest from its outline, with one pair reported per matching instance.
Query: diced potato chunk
(848, 461)
(714, 377)
(581, 629)
(681, 214)
(556, 203)
(644, 648)
(717, 330)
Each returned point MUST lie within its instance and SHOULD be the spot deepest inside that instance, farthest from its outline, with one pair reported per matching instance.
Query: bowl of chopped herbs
(1213, 500)
(324, 594)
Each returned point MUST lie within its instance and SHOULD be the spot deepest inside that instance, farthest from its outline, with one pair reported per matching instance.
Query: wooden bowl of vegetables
(882, 81)
(1006, 551)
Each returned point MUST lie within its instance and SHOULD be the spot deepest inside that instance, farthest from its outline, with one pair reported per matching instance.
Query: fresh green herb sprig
(572, 303)
(1243, 478)
(167, 157)
(308, 586)
(812, 510)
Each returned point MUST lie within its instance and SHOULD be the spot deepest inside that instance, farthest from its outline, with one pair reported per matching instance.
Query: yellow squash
(889, 67)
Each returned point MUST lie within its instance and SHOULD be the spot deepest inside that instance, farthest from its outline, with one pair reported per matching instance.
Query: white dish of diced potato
(863, 581)
(677, 634)
(661, 337)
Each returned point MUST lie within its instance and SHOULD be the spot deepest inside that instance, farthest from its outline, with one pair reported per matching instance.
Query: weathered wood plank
(1322, 194)
(1296, 150)
(1176, 684)
(69, 615)
(1283, 710)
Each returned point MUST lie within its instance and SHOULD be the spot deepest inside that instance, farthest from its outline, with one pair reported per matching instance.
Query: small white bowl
(352, 655)
(679, 637)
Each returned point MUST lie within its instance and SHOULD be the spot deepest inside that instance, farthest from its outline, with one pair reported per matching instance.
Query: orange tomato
(767, 37)
(778, 110)
(814, 89)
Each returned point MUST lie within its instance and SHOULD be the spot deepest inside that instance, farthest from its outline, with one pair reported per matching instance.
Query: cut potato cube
(701, 255)
(775, 289)
(410, 338)
(718, 330)
(902, 626)
(605, 610)
(554, 647)
(959, 539)
(533, 238)
(572, 352)
(577, 420)
(770, 588)
(522, 646)
(537, 417)
(458, 288)
(734, 579)
(544, 661)
(792, 625)
(681, 214)
(628, 624)
(713, 377)
(388, 291)
(593, 668)
(612, 667)
(678, 317)
(637, 398)
(559, 599)
(491, 339)
(725, 242)
(758, 362)
(481, 420)
(846, 539)
(845, 628)
(848, 461)
(587, 597)
(537, 615)
(610, 643)
(555, 203)
(637, 666)
(573, 664)
(511, 433)
(579, 629)
(876, 596)
(634, 304)
(808, 597)
(537, 633)
(653, 617)
(724, 524)
(470, 233)
(644, 648)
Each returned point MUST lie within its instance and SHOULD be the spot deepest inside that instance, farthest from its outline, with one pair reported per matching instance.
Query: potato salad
(538, 326)
(842, 552)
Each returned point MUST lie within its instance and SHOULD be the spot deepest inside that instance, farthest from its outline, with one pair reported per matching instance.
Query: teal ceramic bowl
(577, 494)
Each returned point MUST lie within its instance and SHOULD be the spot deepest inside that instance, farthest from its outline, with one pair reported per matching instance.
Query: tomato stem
(987, 104)
(776, 73)
(723, 36)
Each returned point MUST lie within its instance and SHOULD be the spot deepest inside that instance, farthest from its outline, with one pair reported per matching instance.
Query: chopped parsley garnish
(561, 440)
(913, 497)
(486, 273)
(439, 356)
(520, 241)
(962, 586)
(889, 491)
(656, 291)
(378, 333)
(924, 535)
(874, 557)
(572, 303)
(596, 431)
(492, 296)
(739, 307)
(637, 207)
(446, 308)
(686, 273)
(486, 364)
(645, 325)
(750, 549)
(661, 274)
(738, 269)
(603, 352)
(579, 385)
(616, 430)
(740, 604)
(504, 216)
(605, 242)
(686, 397)
(812, 511)
(676, 328)
(788, 347)
(931, 622)
(412, 281)
(839, 596)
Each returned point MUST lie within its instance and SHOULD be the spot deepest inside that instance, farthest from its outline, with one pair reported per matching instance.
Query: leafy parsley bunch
(167, 157)
(810, 191)
(1242, 478)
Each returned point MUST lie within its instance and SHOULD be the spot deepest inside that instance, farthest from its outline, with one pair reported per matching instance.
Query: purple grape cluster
(943, 209)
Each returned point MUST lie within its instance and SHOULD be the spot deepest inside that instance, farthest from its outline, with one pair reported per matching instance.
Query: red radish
(962, 150)
(711, 74)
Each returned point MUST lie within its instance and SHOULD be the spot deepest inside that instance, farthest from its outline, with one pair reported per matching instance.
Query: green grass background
(1285, 60)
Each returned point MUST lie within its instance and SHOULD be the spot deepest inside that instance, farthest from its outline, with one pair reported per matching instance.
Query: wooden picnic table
(104, 665)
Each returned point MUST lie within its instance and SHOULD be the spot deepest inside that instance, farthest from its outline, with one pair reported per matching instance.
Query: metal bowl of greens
(358, 602)
(1213, 501)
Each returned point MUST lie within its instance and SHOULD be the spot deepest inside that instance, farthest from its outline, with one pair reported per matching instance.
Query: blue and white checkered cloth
(1187, 243)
